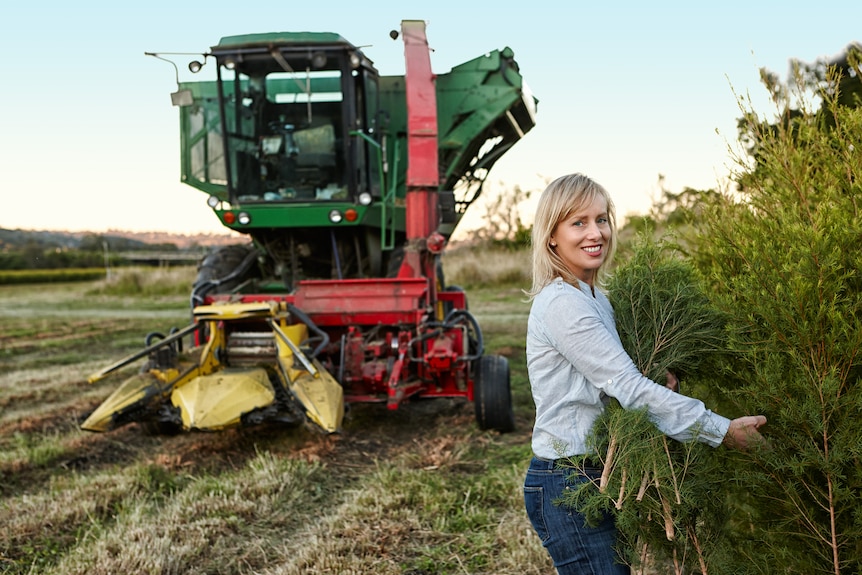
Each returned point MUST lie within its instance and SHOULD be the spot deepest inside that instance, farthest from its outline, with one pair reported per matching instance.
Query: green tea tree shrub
(669, 499)
(784, 256)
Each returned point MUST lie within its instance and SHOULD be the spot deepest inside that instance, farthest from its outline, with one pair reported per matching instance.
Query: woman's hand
(672, 381)
(743, 433)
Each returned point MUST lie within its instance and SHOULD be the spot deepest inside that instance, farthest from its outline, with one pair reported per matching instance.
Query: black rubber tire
(395, 259)
(157, 428)
(220, 263)
(492, 394)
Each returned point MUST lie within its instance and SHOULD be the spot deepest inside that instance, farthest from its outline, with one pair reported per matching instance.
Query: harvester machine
(348, 186)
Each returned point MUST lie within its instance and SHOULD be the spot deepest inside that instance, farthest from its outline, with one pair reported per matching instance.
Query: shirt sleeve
(575, 328)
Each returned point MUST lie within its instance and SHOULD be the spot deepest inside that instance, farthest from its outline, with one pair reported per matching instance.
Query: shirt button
(610, 381)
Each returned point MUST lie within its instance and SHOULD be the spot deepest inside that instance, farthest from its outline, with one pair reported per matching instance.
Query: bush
(9, 277)
(668, 499)
(783, 255)
(143, 281)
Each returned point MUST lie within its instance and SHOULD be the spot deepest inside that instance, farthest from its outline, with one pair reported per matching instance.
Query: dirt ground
(52, 338)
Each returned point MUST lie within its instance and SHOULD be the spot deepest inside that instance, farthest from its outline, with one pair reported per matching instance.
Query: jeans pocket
(534, 501)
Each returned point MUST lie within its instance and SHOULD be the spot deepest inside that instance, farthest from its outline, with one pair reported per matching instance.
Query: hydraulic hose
(335, 253)
(199, 291)
(451, 321)
(312, 326)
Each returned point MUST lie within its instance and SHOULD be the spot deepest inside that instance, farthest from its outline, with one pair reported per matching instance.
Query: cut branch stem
(609, 461)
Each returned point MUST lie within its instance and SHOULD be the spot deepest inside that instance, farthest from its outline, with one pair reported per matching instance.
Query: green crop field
(419, 490)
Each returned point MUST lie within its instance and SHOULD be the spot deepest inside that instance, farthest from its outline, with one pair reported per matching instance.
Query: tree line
(26, 250)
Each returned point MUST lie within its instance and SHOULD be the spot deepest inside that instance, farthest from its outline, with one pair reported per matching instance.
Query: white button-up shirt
(575, 360)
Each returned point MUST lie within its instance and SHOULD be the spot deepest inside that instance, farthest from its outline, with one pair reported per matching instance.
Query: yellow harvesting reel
(252, 368)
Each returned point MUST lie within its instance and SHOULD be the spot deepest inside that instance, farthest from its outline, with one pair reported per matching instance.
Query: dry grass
(147, 281)
(416, 491)
(277, 514)
(479, 266)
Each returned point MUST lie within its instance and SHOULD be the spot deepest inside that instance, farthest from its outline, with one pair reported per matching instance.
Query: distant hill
(116, 239)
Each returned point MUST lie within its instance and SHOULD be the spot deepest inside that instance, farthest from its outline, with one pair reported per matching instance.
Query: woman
(576, 362)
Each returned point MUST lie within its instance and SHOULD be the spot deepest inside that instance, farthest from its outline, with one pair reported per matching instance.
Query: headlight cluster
(337, 216)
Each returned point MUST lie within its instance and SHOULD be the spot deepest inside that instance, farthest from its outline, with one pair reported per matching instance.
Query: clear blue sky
(627, 90)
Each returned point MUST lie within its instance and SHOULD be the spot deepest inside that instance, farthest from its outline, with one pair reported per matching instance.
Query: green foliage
(503, 225)
(152, 282)
(669, 499)
(34, 257)
(155, 481)
(664, 318)
(833, 82)
(9, 277)
(784, 261)
(39, 451)
(45, 250)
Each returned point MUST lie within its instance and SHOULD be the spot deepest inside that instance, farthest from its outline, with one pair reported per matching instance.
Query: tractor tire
(396, 257)
(492, 394)
(220, 263)
(160, 428)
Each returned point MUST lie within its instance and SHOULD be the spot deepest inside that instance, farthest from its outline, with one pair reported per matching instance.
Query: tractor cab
(287, 142)
(289, 103)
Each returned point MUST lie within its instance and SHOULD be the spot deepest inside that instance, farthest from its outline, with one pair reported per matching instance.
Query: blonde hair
(560, 200)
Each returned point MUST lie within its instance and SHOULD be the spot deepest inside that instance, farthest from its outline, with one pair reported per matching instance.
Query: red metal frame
(365, 302)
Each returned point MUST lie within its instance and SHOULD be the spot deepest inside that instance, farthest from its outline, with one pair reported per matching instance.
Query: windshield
(285, 139)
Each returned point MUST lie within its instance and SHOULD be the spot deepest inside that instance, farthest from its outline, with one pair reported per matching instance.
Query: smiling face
(582, 239)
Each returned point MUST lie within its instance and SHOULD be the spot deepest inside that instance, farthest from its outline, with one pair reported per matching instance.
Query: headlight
(244, 218)
(335, 217)
(365, 199)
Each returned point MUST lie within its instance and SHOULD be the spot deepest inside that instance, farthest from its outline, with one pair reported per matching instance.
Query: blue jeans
(575, 548)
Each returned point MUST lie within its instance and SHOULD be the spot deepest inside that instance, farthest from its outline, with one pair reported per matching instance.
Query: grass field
(416, 491)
